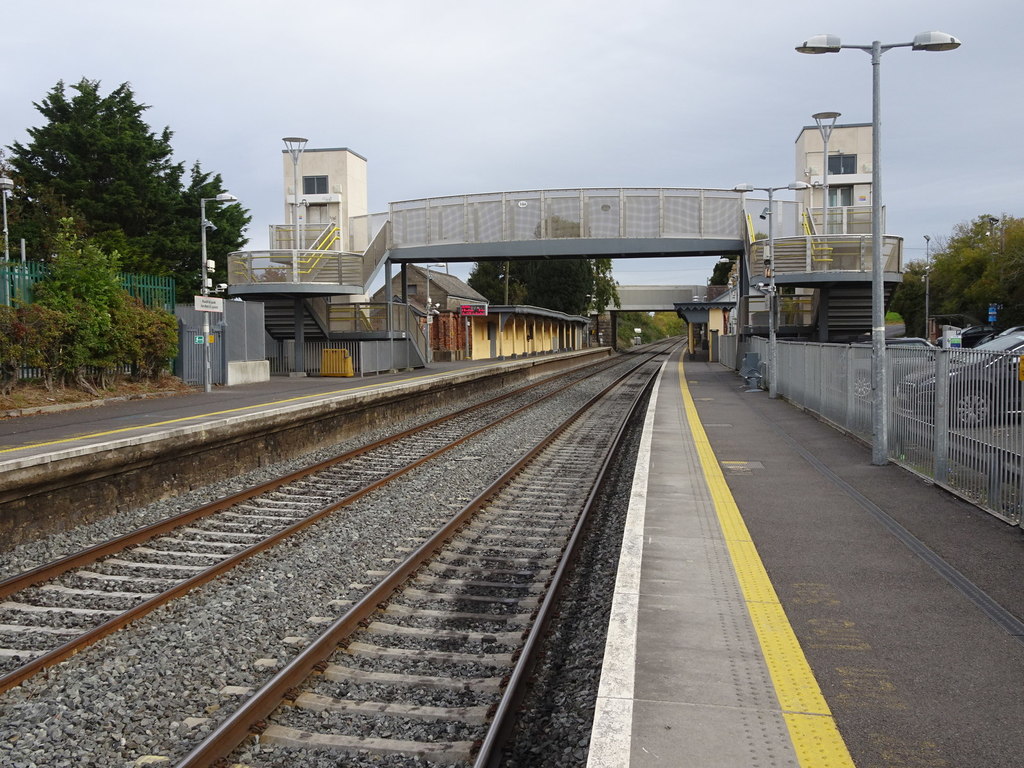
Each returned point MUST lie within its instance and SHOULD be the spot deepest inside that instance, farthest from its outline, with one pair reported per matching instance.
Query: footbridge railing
(567, 213)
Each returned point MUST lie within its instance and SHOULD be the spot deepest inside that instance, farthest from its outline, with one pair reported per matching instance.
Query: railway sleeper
(370, 651)
(318, 703)
(457, 751)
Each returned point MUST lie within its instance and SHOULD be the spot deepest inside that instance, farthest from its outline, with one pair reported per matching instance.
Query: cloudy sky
(467, 96)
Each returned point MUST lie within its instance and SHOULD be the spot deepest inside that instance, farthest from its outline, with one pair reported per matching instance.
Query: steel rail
(92, 635)
(503, 722)
(231, 732)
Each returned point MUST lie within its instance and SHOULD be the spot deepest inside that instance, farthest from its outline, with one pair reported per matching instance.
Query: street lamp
(204, 288)
(926, 41)
(769, 261)
(927, 278)
(6, 185)
(430, 351)
(295, 145)
(826, 122)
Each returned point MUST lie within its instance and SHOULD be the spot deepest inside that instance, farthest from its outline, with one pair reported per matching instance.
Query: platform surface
(779, 604)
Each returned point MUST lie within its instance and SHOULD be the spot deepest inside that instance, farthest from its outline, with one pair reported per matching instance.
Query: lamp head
(934, 41)
(798, 185)
(6, 184)
(820, 44)
(826, 115)
(743, 188)
(226, 197)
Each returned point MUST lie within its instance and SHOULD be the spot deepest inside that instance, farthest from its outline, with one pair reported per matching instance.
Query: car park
(983, 384)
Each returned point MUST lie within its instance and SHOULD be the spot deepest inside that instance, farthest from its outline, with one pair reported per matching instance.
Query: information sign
(209, 304)
(473, 309)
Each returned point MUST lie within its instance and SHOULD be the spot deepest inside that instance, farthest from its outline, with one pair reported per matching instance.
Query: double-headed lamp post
(769, 261)
(926, 41)
(204, 287)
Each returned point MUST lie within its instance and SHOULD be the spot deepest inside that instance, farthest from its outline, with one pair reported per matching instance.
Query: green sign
(199, 339)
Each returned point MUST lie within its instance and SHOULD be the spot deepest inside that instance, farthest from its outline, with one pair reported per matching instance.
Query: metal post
(927, 287)
(205, 291)
(429, 350)
(773, 381)
(6, 185)
(880, 420)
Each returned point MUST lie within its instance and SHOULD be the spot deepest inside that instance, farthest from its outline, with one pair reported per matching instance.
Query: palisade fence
(18, 281)
(954, 415)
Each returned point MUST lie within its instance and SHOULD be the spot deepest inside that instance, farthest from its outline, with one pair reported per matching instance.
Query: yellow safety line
(812, 729)
(221, 413)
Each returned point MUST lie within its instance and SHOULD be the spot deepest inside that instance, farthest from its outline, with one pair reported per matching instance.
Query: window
(838, 196)
(314, 185)
(839, 164)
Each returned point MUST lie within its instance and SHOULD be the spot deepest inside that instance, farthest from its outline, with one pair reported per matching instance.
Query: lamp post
(927, 278)
(204, 287)
(430, 351)
(295, 145)
(826, 122)
(769, 261)
(926, 41)
(6, 185)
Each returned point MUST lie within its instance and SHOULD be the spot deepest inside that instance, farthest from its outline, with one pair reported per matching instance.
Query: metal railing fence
(18, 281)
(567, 213)
(828, 253)
(955, 416)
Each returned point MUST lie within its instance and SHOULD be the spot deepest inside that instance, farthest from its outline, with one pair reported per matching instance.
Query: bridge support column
(299, 364)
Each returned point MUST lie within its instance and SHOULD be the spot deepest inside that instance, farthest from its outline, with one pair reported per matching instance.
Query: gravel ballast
(153, 688)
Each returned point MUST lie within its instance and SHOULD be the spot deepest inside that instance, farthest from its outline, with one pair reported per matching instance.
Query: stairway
(279, 319)
(849, 311)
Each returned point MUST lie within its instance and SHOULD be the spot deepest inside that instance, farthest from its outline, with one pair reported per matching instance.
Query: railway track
(429, 662)
(52, 612)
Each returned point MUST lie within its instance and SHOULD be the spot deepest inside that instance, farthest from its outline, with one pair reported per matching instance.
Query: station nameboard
(209, 304)
(473, 309)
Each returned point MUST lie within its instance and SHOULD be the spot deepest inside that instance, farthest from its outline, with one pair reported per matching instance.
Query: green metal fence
(18, 280)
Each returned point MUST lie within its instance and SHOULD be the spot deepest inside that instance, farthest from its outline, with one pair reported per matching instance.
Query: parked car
(860, 379)
(983, 383)
(974, 336)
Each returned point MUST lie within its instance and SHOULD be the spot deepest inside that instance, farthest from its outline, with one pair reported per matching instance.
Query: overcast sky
(468, 96)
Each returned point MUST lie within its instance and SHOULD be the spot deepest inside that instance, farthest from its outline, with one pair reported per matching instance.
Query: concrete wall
(346, 186)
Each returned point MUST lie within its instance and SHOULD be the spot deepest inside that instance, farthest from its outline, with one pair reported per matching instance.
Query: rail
(295, 266)
(828, 253)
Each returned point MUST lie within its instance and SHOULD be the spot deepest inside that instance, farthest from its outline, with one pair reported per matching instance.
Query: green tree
(981, 264)
(96, 160)
(489, 278)
(653, 326)
(908, 299)
(83, 284)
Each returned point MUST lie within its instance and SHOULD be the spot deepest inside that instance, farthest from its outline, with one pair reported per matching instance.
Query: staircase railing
(846, 253)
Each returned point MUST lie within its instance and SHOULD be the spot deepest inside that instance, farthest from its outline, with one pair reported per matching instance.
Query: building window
(839, 196)
(840, 164)
(314, 185)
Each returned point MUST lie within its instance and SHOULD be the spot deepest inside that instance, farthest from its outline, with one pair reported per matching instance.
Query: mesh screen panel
(523, 216)
(642, 213)
(682, 216)
(448, 223)
(602, 213)
(484, 219)
(562, 216)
